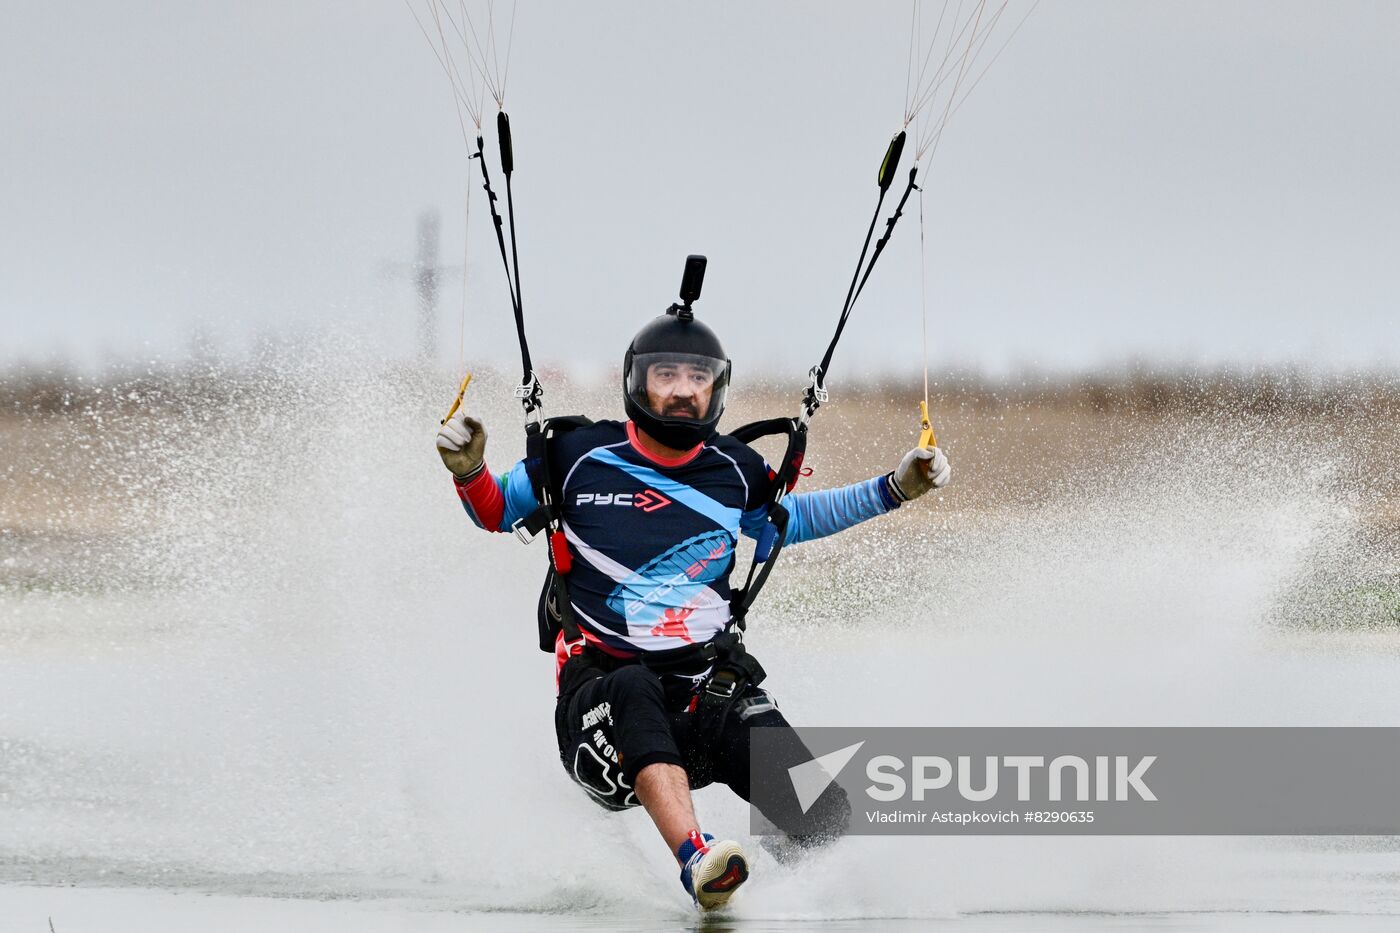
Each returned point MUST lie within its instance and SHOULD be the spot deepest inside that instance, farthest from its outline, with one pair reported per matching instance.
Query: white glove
(921, 469)
(462, 443)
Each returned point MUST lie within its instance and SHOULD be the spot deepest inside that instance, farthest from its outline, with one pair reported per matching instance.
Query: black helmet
(684, 359)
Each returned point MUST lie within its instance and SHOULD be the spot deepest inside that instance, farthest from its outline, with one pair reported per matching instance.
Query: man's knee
(828, 826)
(633, 684)
(768, 779)
(826, 821)
(791, 837)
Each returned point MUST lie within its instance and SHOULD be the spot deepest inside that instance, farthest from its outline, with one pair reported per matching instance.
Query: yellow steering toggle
(457, 402)
(927, 439)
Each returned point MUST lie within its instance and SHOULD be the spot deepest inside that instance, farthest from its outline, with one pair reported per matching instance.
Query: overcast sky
(1185, 181)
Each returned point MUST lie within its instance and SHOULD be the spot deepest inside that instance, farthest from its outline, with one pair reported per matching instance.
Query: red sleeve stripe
(481, 497)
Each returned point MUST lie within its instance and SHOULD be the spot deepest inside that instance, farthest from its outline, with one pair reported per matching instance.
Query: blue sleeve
(519, 495)
(824, 512)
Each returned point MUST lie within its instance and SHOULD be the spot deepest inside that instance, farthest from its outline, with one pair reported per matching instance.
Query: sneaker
(712, 871)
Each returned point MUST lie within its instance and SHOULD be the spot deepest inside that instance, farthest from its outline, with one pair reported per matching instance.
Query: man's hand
(921, 469)
(462, 443)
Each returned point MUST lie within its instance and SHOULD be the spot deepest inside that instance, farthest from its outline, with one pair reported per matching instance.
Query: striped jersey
(653, 539)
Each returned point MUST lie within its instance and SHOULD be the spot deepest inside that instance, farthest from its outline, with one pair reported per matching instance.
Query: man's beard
(685, 409)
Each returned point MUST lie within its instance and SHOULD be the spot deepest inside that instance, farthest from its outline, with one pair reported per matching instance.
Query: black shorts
(610, 725)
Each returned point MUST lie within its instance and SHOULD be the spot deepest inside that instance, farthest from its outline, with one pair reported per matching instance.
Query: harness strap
(555, 607)
(770, 542)
(735, 671)
(766, 554)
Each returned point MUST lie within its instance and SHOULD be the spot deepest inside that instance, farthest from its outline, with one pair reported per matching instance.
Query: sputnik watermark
(934, 772)
(1179, 781)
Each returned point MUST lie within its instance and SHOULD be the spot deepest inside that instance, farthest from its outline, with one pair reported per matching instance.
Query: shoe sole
(725, 872)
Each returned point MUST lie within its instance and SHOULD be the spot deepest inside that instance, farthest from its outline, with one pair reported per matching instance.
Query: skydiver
(652, 509)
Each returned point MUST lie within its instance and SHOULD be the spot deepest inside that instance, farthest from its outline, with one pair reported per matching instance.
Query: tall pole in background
(425, 276)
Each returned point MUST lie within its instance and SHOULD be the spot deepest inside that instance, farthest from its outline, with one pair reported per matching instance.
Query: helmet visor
(680, 386)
